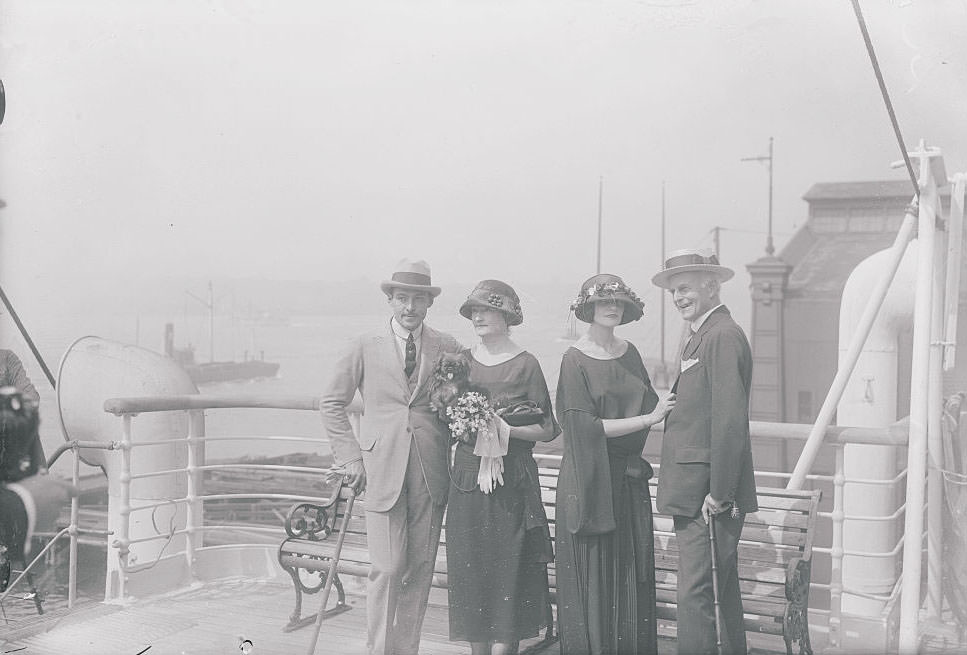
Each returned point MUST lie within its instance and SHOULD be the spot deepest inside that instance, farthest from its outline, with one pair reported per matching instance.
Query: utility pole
(770, 248)
(600, 195)
(662, 295)
(715, 237)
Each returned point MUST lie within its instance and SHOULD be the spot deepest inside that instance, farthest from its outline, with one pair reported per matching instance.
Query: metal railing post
(909, 637)
(935, 440)
(122, 543)
(194, 510)
(836, 550)
(72, 531)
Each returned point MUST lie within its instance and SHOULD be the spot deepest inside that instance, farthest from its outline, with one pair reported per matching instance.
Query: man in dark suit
(706, 456)
(399, 455)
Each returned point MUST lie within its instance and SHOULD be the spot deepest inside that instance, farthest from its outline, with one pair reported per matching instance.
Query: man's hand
(355, 476)
(50, 494)
(711, 507)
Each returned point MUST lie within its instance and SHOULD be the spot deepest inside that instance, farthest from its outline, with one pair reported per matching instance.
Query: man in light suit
(399, 456)
(706, 455)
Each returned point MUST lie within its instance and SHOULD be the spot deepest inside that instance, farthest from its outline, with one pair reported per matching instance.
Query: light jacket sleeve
(346, 379)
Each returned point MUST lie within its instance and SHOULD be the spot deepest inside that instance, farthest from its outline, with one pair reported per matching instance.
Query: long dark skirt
(606, 582)
(497, 583)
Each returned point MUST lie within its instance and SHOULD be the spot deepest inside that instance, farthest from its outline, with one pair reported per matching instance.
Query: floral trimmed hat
(605, 286)
(494, 294)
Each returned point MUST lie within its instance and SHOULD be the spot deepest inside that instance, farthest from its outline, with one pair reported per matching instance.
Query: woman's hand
(664, 406)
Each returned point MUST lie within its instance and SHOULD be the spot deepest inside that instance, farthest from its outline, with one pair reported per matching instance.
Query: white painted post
(909, 638)
(836, 553)
(935, 440)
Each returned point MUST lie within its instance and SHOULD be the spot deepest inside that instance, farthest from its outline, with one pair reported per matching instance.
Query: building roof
(822, 262)
(859, 190)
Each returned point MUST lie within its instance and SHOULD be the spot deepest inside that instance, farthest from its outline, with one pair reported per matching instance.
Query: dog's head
(452, 367)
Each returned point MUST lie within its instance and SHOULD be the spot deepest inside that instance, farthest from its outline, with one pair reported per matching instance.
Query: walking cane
(332, 569)
(715, 586)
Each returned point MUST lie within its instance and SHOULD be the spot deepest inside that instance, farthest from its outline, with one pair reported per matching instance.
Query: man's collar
(698, 322)
(403, 333)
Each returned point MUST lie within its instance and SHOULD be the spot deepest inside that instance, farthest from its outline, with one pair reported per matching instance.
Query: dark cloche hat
(605, 286)
(494, 294)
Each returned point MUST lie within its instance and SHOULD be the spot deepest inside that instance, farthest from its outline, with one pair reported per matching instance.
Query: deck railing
(193, 525)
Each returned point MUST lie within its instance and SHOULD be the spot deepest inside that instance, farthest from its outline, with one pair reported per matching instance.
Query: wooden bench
(774, 559)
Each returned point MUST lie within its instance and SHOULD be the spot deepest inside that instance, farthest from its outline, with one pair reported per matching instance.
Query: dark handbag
(525, 412)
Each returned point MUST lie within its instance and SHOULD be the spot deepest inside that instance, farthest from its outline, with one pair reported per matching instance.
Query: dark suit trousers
(403, 545)
(696, 610)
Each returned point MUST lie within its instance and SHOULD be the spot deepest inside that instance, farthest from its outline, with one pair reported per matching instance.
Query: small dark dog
(451, 377)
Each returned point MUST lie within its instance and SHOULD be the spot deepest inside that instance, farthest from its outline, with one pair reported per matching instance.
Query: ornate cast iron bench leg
(795, 624)
(296, 620)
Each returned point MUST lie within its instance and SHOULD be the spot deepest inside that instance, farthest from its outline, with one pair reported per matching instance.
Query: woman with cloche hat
(498, 541)
(605, 548)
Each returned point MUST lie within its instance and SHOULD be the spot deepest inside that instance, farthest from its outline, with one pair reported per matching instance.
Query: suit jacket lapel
(391, 356)
(429, 351)
(692, 348)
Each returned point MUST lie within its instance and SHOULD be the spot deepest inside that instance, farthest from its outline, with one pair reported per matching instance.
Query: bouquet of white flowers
(473, 420)
(470, 413)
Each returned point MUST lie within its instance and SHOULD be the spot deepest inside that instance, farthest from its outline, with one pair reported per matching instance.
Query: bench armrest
(310, 521)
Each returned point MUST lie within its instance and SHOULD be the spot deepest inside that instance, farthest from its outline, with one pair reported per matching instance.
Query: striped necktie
(410, 362)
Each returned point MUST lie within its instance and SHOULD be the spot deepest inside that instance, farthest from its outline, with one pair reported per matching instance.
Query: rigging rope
(886, 95)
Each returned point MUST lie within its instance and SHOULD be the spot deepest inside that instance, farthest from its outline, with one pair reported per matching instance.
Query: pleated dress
(604, 540)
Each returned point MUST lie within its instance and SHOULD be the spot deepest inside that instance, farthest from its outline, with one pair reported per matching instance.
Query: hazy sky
(324, 140)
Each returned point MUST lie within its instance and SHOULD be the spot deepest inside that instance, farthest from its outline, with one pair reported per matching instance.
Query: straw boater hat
(605, 286)
(412, 276)
(494, 294)
(683, 261)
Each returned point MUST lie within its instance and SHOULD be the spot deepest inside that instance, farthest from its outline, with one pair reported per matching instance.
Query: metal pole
(211, 322)
(72, 551)
(600, 195)
(909, 641)
(716, 232)
(664, 370)
(770, 248)
(935, 440)
(835, 393)
(836, 552)
(30, 342)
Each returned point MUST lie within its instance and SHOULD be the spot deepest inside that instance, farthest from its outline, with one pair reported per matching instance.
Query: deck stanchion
(909, 641)
(836, 550)
(75, 513)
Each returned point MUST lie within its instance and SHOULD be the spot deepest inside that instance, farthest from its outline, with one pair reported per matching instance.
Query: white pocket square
(688, 363)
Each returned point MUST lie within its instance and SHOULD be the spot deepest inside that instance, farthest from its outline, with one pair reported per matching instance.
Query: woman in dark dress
(604, 538)
(497, 538)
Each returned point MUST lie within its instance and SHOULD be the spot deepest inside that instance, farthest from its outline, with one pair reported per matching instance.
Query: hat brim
(585, 311)
(722, 273)
(466, 310)
(388, 285)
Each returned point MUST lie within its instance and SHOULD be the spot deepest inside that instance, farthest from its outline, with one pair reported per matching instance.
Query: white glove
(491, 473)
